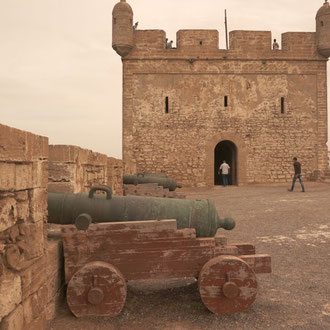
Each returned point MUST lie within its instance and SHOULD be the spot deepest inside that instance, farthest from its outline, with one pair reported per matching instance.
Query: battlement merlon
(201, 44)
(202, 40)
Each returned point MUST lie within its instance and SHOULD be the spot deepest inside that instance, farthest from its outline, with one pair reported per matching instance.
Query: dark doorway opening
(225, 150)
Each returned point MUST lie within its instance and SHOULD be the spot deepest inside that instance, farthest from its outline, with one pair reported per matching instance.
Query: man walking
(224, 168)
(297, 175)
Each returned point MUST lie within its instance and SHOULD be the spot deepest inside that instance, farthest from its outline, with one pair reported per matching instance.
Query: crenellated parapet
(204, 44)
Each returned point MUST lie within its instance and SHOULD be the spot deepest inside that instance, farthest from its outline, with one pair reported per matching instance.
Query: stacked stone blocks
(75, 170)
(115, 175)
(24, 286)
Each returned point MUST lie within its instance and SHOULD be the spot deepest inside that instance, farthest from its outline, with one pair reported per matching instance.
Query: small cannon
(99, 261)
(160, 179)
(82, 209)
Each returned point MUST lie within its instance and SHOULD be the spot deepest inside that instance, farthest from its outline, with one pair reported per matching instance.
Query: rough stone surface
(34, 305)
(55, 277)
(115, 172)
(33, 277)
(38, 204)
(10, 293)
(73, 169)
(23, 213)
(14, 321)
(39, 323)
(129, 166)
(8, 213)
(21, 146)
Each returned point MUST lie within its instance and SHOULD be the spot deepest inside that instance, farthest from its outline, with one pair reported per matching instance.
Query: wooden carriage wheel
(97, 289)
(227, 285)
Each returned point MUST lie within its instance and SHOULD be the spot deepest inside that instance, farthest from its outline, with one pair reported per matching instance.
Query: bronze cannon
(160, 179)
(68, 208)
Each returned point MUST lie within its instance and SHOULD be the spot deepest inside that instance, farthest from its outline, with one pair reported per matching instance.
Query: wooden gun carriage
(100, 260)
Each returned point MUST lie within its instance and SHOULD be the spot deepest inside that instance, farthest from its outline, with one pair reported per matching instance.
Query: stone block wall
(250, 41)
(200, 39)
(55, 275)
(73, 169)
(115, 175)
(180, 104)
(116, 168)
(129, 167)
(23, 240)
(148, 41)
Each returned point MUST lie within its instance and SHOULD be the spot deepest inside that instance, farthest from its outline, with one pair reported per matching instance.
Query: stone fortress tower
(323, 29)
(186, 109)
(122, 28)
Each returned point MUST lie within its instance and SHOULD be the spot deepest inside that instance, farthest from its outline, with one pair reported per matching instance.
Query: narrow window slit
(225, 101)
(282, 105)
(166, 104)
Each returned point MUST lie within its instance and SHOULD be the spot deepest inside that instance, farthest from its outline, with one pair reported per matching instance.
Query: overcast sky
(59, 76)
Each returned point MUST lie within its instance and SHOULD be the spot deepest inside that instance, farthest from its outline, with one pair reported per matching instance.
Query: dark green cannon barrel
(160, 179)
(64, 208)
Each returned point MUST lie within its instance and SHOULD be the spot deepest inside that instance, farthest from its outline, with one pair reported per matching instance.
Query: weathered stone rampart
(242, 45)
(26, 288)
(74, 169)
(31, 256)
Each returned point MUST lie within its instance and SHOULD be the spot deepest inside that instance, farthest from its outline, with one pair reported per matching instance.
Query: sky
(60, 78)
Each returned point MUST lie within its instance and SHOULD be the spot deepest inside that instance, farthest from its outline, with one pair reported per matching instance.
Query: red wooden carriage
(99, 261)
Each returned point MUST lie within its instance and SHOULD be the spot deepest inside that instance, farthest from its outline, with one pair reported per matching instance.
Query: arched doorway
(225, 150)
